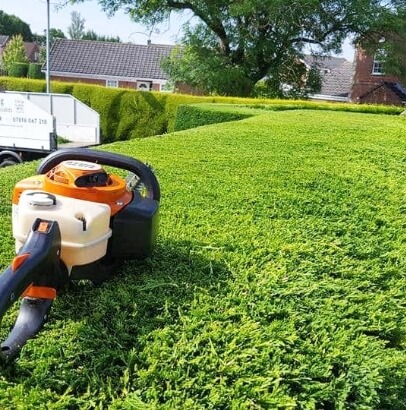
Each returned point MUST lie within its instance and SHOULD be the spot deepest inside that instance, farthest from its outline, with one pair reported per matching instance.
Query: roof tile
(109, 58)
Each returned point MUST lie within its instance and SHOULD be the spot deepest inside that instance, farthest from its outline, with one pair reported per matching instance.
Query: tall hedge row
(127, 114)
(124, 113)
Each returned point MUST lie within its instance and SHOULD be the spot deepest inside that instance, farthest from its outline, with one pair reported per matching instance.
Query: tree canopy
(92, 35)
(14, 52)
(236, 43)
(76, 30)
(11, 25)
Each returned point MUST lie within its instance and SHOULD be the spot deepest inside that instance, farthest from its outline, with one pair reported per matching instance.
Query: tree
(76, 30)
(390, 50)
(236, 43)
(54, 33)
(11, 25)
(91, 35)
(14, 52)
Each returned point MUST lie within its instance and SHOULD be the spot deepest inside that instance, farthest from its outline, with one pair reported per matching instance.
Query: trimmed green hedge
(34, 71)
(193, 115)
(126, 114)
(18, 70)
(277, 282)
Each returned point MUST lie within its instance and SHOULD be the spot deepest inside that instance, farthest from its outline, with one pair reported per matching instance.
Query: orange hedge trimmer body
(73, 221)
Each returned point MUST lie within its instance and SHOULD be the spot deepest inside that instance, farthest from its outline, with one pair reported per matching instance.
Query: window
(144, 85)
(111, 83)
(377, 68)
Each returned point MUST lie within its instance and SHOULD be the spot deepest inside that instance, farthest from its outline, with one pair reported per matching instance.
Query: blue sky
(34, 13)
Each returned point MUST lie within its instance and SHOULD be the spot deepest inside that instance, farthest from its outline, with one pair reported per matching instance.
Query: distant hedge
(18, 70)
(126, 113)
(34, 71)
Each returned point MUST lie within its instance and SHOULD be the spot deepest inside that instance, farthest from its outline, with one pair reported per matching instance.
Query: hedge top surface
(278, 280)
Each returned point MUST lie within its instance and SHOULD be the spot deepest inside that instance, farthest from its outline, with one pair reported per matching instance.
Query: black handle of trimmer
(145, 174)
(37, 270)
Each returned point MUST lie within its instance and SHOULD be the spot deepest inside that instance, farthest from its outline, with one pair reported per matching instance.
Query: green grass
(278, 280)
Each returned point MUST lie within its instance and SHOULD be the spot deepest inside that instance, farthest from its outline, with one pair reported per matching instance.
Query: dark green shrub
(19, 70)
(192, 116)
(34, 71)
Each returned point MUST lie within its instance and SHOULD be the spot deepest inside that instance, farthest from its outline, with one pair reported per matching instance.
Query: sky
(34, 13)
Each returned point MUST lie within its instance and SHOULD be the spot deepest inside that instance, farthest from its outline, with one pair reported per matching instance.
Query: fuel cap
(41, 199)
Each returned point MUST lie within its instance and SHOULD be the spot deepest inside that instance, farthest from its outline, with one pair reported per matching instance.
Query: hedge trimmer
(72, 221)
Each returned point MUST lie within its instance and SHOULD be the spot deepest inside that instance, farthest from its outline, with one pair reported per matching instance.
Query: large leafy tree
(235, 43)
(11, 25)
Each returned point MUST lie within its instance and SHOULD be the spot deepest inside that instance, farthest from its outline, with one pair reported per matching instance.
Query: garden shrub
(19, 70)
(192, 116)
(22, 84)
(34, 71)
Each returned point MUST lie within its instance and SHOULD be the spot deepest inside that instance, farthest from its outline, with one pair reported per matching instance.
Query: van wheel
(7, 163)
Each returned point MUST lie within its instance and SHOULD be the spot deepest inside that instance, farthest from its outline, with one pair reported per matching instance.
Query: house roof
(395, 88)
(398, 89)
(3, 40)
(324, 62)
(108, 59)
(336, 75)
(30, 50)
(338, 81)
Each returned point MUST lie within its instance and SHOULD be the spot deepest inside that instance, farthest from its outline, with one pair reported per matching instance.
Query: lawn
(278, 281)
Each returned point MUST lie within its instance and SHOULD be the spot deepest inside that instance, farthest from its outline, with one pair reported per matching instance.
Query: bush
(34, 71)
(18, 70)
(192, 116)
(19, 84)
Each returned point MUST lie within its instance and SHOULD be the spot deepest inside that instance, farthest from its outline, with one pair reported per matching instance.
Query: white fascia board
(326, 97)
(106, 77)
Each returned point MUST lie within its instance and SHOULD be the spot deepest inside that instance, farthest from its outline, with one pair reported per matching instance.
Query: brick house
(372, 86)
(109, 64)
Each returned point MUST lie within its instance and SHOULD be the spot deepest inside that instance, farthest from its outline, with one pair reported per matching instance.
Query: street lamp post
(48, 79)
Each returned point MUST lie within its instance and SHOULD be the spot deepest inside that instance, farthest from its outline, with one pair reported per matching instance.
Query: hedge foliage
(278, 281)
(126, 114)
(34, 71)
(18, 70)
(192, 115)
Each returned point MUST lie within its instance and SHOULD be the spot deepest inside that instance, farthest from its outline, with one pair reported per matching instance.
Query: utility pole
(48, 77)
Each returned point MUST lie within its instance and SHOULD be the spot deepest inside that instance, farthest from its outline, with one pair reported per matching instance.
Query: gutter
(326, 97)
(107, 77)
